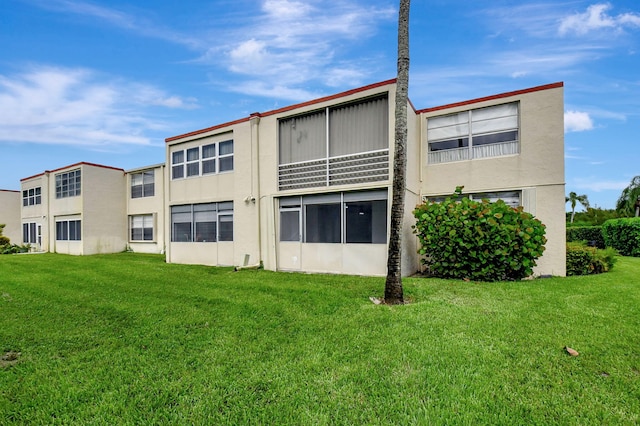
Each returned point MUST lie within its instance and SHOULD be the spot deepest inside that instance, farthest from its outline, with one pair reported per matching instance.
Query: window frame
(341, 201)
(68, 184)
(201, 161)
(32, 196)
(65, 226)
(222, 212)
(148, 222)
(472, 128)
(146, 185)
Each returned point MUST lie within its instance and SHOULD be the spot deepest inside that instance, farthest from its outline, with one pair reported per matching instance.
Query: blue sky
(108, 81)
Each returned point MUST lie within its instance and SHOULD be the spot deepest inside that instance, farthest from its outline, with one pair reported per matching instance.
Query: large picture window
(350, 217)
(141, 227)
(204, 223)
(202, 160)
(68, 184)
(142, 184)
(32, 196)
(69, 230)
(478, 133)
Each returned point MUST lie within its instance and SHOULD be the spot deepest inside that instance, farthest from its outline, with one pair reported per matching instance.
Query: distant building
(307, 187)
(10, 215)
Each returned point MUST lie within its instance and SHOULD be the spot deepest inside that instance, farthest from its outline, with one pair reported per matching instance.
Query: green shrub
(584, 260)
(591, 234)
(478, 240)
(4, 241)
(14, 248)
(623, 235)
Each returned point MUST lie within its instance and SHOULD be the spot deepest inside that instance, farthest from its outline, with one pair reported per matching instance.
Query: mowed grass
(128, 339)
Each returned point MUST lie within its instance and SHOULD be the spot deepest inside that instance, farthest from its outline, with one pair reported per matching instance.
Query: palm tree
(574, 199)
(393, 293)
(627, 203)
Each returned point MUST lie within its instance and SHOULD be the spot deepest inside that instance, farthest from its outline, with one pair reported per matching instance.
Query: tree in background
(393, 293)
(593, 216)
(626, 205)
(574, 199)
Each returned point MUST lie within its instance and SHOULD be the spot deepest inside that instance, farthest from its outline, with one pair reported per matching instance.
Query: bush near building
(478, 240)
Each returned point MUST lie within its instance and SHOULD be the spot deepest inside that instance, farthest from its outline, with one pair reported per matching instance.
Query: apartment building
(307, 187)
(78, 209)
(10, 214)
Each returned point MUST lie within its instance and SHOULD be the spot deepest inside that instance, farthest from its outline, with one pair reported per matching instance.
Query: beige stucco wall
(238, 186)
(100, 206)
(538, 166)
(10, 202)
(104, 225)
(154, 205)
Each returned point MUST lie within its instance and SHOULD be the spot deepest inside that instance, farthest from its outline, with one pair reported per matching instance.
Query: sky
(107, 81)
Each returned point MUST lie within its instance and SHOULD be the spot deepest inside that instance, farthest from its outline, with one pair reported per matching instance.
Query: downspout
(255, 176)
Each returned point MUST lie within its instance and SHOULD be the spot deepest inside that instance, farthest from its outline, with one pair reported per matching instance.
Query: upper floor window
(32, 196)
(478, 133)
(202, 160)
(142, 184)
(338, 145)
(68, 184)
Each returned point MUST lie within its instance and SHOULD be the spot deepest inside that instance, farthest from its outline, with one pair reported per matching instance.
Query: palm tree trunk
(393, 293)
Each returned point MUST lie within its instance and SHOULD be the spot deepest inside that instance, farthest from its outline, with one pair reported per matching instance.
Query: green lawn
(128, 339)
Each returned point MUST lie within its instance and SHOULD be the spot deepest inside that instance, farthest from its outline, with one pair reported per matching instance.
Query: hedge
(623, 235)
(591, 234)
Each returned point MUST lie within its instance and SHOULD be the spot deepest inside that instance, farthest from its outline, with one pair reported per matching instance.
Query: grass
(128, 339)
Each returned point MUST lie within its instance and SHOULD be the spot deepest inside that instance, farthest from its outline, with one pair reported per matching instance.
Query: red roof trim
(493, 97)
(208, 129)
(82, 163)
(284, 109)
(9, 190)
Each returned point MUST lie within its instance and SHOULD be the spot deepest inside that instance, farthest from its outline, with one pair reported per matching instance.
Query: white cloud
(297, 42)
(119, 19)
(78, 107)
(596, 185)
(577, 121)
(596, 18)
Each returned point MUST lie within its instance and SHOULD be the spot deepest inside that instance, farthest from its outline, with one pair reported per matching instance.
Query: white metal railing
(341, 170)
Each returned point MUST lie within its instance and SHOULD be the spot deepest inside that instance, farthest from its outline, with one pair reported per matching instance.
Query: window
(177, 164)
(338, 145)
(351, 218)
(32, 196)
(141, 227)
(142, 184)
(68, 230)
(478, 133)
(511, 198)
(203, 160)
(29, 235)
(68, 184)
(206, 223)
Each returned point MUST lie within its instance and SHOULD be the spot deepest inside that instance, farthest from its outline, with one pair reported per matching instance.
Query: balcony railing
(346, 169)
